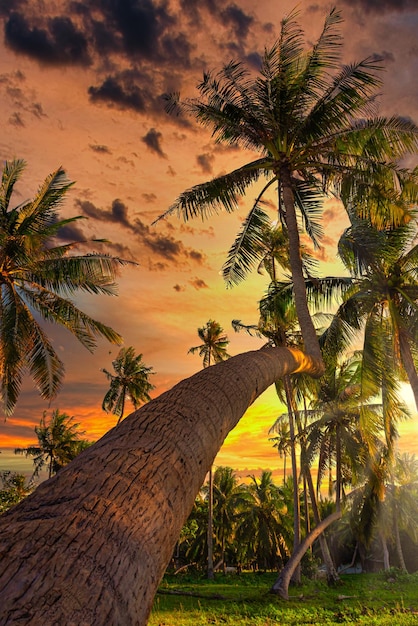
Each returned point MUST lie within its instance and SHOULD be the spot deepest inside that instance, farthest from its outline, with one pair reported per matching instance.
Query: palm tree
(228, 499)
(265, 526)
(282, 442)
(36, 278)
(130, 379)
(213, 350)
(59, 442)
(382, 299)
(307, 118)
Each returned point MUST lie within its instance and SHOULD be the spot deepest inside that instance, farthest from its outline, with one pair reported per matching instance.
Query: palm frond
(10, 175)
(247, 247)
(221, 193)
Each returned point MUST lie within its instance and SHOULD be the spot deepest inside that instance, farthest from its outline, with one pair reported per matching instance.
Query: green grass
(365, 599)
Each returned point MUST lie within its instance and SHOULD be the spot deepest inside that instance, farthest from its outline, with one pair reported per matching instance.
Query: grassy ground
(365, 599)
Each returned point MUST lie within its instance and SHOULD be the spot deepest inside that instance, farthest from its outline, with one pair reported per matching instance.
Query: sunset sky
(81, 86)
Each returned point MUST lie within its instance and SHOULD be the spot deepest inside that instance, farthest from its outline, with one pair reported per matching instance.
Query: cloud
(118, 213)
(198, 283)
(121, 91)
(179, 288)
(149, 197)
(71, 233)
(153, 141)
(382, 6)
(59, 42)
(205, 162)
(162, 245)
(101, 149)
(240, 21)
(16, 120)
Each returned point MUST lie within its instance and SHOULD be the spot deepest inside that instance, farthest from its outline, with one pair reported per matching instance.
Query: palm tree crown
(215, 342)
(130, 378)
(309, 120)
(37, 277)
(59, 442)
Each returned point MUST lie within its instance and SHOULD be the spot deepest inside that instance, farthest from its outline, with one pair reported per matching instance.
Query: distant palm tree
(130, 379)
(228, 498)
(282, 442)
(265, 528)
(213, 350)
(215, 342)
(36, 277)
(59, 442)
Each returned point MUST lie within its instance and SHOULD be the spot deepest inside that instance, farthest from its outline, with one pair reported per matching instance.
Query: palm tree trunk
(332, 574)
(386, 562)
(210, 526)
(281, 585)
(398, 544)
(306, 325)
(91, 544)
(296, 500)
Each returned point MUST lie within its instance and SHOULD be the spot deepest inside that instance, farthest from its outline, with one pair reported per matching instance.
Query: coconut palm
(37, 276)
(382, 300)
(59, 442)
(215, 342)
(265, 527)
(283, 443)
(229, 497)
(212, 350)
(309, 120)
(131, 379)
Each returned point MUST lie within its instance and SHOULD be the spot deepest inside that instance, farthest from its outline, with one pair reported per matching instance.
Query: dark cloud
(153, 141)
(240, 21)
(165, 246)
(57, 43)
(198, 283)
(149, 197)
(117, 214)
(179, 288)
(205, 162)
(195, 255)
(120, 91)
(16, 120)
(381, 6)
(101, 149)
(71, 233)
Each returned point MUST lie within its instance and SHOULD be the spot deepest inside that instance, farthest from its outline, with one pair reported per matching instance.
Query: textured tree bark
(90, 545)
(309, 335)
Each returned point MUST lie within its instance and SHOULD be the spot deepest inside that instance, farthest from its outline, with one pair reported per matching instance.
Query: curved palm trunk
(90, 545)
(332, 574)
(281, 586)
(306, 325)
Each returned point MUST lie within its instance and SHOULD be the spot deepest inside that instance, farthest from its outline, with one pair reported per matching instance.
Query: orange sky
(93, 105)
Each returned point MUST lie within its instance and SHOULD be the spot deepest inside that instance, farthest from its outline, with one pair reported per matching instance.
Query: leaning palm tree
(213, 350)
(59, 442)
(309, 120)
(131, 379)
(37, 277)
